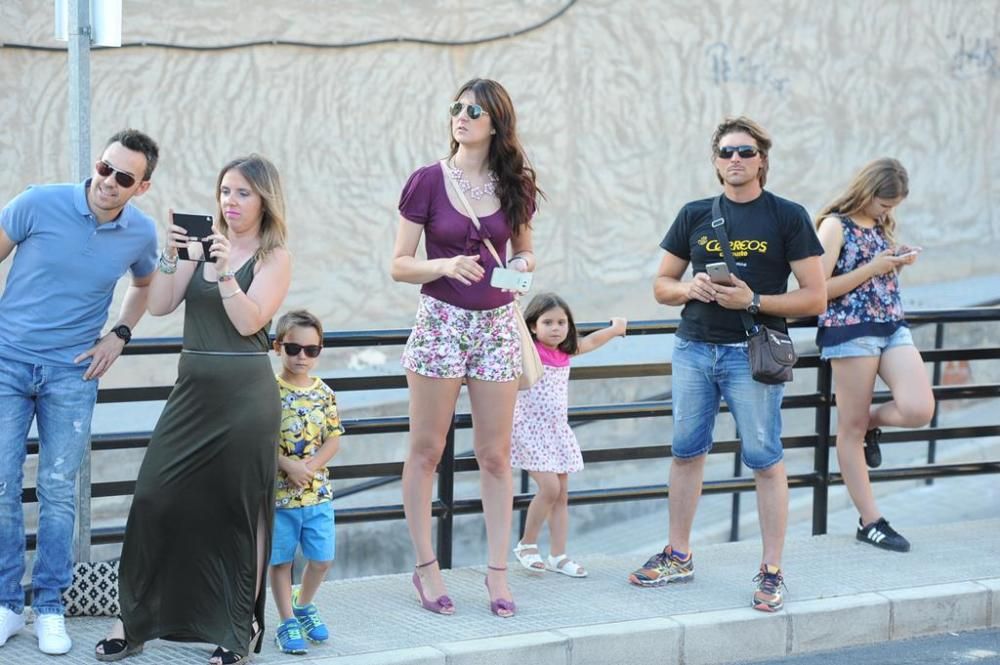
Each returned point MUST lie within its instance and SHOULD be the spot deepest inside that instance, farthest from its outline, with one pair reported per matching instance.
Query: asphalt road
(981, 647)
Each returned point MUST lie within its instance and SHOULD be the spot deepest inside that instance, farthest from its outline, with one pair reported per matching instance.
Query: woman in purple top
(863, 334)
(465, 328)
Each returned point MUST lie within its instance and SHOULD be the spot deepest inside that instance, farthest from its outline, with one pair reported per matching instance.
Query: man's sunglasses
(744, 151)
(474, 110)
(124, 179)
(293, 349)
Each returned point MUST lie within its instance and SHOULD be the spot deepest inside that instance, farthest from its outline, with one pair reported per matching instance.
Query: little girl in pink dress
(542, 441)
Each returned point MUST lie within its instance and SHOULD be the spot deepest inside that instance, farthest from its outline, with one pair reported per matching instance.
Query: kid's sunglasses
(474, 110)
(293, 349)
(104, 170)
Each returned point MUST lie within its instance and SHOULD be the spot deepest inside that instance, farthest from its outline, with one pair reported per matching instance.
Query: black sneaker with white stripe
(880, 534)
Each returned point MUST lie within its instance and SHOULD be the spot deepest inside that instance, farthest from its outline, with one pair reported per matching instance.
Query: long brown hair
(542, 303)
(516, 187)
(263, 178)
(883, 178)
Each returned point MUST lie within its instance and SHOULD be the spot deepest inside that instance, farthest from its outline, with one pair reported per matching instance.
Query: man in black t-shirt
(770, 237)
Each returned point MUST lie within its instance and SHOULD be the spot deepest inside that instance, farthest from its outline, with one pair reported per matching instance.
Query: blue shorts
(861, 347)
(703, 374)
(309, 526)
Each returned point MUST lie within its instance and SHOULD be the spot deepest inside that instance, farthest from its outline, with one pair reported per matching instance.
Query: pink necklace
(488, 188)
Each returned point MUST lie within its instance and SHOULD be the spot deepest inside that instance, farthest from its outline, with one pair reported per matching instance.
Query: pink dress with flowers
(542, 439)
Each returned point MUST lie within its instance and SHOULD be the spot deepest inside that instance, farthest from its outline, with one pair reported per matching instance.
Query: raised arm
(171, 279)
(407, 268)
(599, 338)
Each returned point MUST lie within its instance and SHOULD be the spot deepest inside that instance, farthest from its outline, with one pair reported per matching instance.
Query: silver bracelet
(227, 296)
(166, 266)
(522, 258)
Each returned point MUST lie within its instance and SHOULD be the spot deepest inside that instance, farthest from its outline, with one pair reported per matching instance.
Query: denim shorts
(704, 373)
(449, 342)
(861, 347)
(309, 526)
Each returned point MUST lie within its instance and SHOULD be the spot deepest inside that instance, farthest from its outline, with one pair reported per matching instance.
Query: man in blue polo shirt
(73, 242)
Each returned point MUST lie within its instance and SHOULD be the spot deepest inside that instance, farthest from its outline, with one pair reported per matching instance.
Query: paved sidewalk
(840, 593)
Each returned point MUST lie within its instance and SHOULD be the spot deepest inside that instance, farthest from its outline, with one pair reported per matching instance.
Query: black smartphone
(198, 227)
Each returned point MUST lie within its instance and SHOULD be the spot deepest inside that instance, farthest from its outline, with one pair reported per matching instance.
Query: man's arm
(668, 289)
(108, 348)
(6, 245)
(807, 300)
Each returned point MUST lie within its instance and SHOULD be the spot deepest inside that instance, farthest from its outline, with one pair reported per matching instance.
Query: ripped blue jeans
(63, 404)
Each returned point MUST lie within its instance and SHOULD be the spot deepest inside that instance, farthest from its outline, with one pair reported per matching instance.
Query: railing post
(734, 519)
(446, 494)
(935, 380)
(523, 518)
(82, 536)
(821, 457)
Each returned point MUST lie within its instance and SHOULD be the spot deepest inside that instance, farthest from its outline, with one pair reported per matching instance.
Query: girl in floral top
(543, 443)
(863, 333)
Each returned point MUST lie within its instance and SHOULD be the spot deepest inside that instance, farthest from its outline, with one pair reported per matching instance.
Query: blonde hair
(883, 178)
(265, 181)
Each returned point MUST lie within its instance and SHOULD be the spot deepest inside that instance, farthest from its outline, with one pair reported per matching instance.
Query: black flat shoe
(115, 648)
(873, 454)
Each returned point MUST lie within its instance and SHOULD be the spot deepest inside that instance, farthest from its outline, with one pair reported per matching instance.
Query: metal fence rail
(446, 506)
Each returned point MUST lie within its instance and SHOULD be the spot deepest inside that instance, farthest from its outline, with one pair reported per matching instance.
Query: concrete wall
(617, 100)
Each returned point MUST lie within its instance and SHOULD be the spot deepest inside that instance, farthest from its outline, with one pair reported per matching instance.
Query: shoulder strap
(468, 209)
(719, 226)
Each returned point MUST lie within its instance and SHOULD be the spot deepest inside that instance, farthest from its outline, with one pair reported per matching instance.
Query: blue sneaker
(309, 619)
(289, 637)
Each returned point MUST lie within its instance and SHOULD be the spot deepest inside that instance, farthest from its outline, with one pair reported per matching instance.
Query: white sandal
(563, 564)
(530, 560)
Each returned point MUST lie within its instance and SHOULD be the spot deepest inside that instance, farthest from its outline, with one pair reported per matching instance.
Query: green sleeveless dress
(189, 559)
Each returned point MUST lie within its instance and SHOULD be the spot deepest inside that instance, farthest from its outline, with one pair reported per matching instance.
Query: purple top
(450, 233)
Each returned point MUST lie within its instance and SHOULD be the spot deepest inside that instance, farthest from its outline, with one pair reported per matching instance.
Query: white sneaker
(10, 623)
(51, 632)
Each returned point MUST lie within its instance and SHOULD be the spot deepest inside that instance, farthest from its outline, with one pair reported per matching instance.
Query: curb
(724, 636)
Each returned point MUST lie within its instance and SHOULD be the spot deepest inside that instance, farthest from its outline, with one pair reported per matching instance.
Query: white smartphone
(512, 280)
(719, 273)
(905, 250)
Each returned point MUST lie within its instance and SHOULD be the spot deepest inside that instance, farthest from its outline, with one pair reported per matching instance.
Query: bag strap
(468, 209)
(719, 226)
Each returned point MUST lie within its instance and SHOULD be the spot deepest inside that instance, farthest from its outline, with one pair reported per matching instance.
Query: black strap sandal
(115, 648)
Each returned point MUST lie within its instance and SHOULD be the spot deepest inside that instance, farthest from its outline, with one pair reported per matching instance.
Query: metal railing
(446, 506)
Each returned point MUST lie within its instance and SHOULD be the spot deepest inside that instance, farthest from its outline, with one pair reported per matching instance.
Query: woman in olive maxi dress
(198, 533)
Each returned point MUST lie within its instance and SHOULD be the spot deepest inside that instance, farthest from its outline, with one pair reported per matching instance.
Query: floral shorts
(448, 342)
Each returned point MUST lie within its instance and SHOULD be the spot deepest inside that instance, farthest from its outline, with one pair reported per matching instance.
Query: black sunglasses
(474, 110)
(744, 151)
(293, 349)
(104, 170)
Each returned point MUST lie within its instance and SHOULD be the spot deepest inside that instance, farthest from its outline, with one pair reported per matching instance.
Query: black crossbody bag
(771, 352)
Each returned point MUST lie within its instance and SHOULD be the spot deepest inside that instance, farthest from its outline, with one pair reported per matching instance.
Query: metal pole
(79, 130)
(935, 380)
(734, 519)
(446, 494)
(524, 513)
(821, 456)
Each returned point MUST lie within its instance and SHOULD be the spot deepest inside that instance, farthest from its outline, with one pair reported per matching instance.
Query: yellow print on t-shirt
(739, 248)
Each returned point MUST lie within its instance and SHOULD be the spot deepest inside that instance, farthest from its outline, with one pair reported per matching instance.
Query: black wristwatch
(123, 332)
(754, 306)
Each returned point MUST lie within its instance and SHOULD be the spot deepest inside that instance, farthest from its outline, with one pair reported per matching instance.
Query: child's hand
(619, 325)
(298, 472)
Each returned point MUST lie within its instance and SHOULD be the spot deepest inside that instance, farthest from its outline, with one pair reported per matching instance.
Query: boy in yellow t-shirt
(310, 437)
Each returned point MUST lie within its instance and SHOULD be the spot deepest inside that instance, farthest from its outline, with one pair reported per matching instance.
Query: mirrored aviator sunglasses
(104, 170)
(475, 111)
(293, 349)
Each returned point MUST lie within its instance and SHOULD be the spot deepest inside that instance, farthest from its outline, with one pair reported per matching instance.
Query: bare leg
(686, 476)
(493, 417)
(912, 403)
(281, 588)
(541, 506)
(432, 406)
(854, 379)
(559, 518)
(772, 508)
(312, 577)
